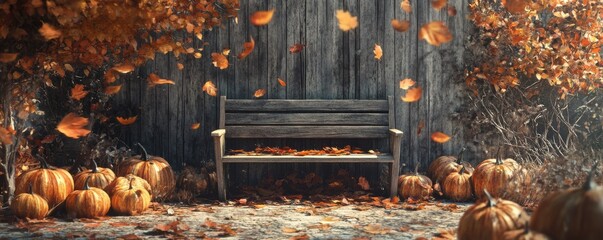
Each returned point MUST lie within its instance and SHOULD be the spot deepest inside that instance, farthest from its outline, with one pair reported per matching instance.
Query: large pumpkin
(29, 205)
(457, 185)
(53, 184)
(572, 214)
(414, 185)
(490, 219)
(90, 202)
(442, 166)
(524, 234)
(131, 201)
(99, 177)
(123, 183)
(156, 170)
(494, 175)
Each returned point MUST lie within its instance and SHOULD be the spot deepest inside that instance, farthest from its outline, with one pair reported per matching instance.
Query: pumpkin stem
(144, 155)
(498, 158)
(463, 170)
(94, 166)
(417, 168)
(491, 201)
(590, 182)
(86, 186)
(459, 158)
(30, 189)
(130, 185)
(43, 163)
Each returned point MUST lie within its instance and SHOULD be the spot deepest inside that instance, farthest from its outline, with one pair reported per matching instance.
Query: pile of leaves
(277, 151)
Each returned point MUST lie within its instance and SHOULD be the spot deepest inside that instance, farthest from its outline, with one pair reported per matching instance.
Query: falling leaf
(49, 32)
(225, 51)
(73, 126)
(515, 6)
(124, 68)
(435, 33)
(8, 57)
(364, 184)
(440, 137)
(378, 52)
(439, 4)
(296, 48)
(247, 48)
(451, 11)
(210, 88)
(6, 136)
(154, 80)
(197, 55)
(195, 126)
(180, 66)
(413, 94)
(405, 5)
(400, 25)
(346, 20)
(260, 18)
(126, 121)
(110, 90)
(78, 92)
(282, 82)
(420, 126)
(110, 76)
(259, 93)
(406, 83)
(220, 61)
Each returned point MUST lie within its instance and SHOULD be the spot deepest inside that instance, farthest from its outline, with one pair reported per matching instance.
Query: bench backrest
(275, 118)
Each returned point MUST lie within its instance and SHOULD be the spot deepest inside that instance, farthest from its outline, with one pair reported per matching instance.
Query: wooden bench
(307, 119)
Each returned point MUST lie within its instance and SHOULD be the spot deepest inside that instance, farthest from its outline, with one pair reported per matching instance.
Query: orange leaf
(406, 83)
(282, 82)
(346, 20)
(378, 52)
(195, 126)
(220, 61)
(405, 5)
(78, 92)
(515, 6)
(259, 93)
(260, 18)
(73, 126)
(155, 80)
(225, 51)
(126, 121)
(180, 66)
(6, 136)
(8, 57)
(438, 4)
(295, 48)
(110, 76)
(124, 68)
(110, 90)
(420, 127)
(49, 32)
(440, 137)
(247, 48)
(435, 33)
(413, 95)
(451, 11)
(400, 25)
(210, 88)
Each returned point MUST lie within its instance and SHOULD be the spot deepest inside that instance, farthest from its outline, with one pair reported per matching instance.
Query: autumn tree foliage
(42, 40)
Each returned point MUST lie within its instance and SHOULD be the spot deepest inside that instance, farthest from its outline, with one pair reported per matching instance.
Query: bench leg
(221, 180)
(394, 168)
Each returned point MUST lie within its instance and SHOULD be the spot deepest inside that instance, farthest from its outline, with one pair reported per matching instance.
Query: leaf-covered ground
(258, 221)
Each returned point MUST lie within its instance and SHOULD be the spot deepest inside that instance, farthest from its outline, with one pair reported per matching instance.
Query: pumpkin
(442, 166)
(99, 177)
(524, 234)
(572, 214)
(414, 185)
(494, 175)
(490, 219)
(53, 184)
(29, 205)
(89, 202)
(123, 183)
(457, 185)
(131, 201)
(156, 170)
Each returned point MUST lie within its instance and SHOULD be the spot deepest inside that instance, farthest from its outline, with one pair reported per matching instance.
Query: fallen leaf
(120, 224)
(8, 57)
(242, 201)
(124, 68)
(6, 136)
(413, 94)
(130, 236)
(289, 230)
(300, 237)
(73, 126)
(515, 6)
(282, 82)
(247, 48)
(259, 93)
(435, 33)
(405, 5)
(260, 18)
(376, 229)
(378, 52)
(296, 48)
(364, 184)
(78, 92)
(440, 137)
(49, 32)
(154, 80)
(438, 4)
(110, 90)
(400, 25)
(195, 126)
(92, 225)
(406, 83)
(220, 61)
(126, 121)
(210, 88)
(331, 219)
(451, 11)
(346, 20)
(209, 223)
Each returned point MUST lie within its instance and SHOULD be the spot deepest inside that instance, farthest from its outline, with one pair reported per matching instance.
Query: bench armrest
(396, 132)
(218, 132)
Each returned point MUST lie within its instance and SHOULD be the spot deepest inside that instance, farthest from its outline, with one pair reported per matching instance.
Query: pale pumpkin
(442, 166)
(132, 201)
(123, 183)
(156, 170)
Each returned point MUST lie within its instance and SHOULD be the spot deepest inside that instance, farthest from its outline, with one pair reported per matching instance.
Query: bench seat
(352, 158)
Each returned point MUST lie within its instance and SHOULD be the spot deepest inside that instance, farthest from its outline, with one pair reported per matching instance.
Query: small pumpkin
(490, 219)
(414, 185)
(442, 166)
(53, 184)
(457, 185)
(99, 177)
(156, 170)
(123, 183)
(89, 202)
(29, 205)
(494, 175)
(524, 234)
(572, 214)
(131, 201)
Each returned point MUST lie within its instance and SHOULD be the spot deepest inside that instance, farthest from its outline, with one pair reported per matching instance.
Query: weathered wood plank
(307, 132)
(375, 119)
(354, 158)
(235, 105)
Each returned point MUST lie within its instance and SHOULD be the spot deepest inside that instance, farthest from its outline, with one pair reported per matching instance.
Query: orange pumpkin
(524, 234)
(442, 166)
(414, 185)
(29, 205)
(99, 177)
(494, 175)
(457, 186)
(156, 170)
(90, 202)
(53, 184)
(123, 183)
(131, 201)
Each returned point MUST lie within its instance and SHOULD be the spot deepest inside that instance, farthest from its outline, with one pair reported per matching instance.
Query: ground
(295, 220)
